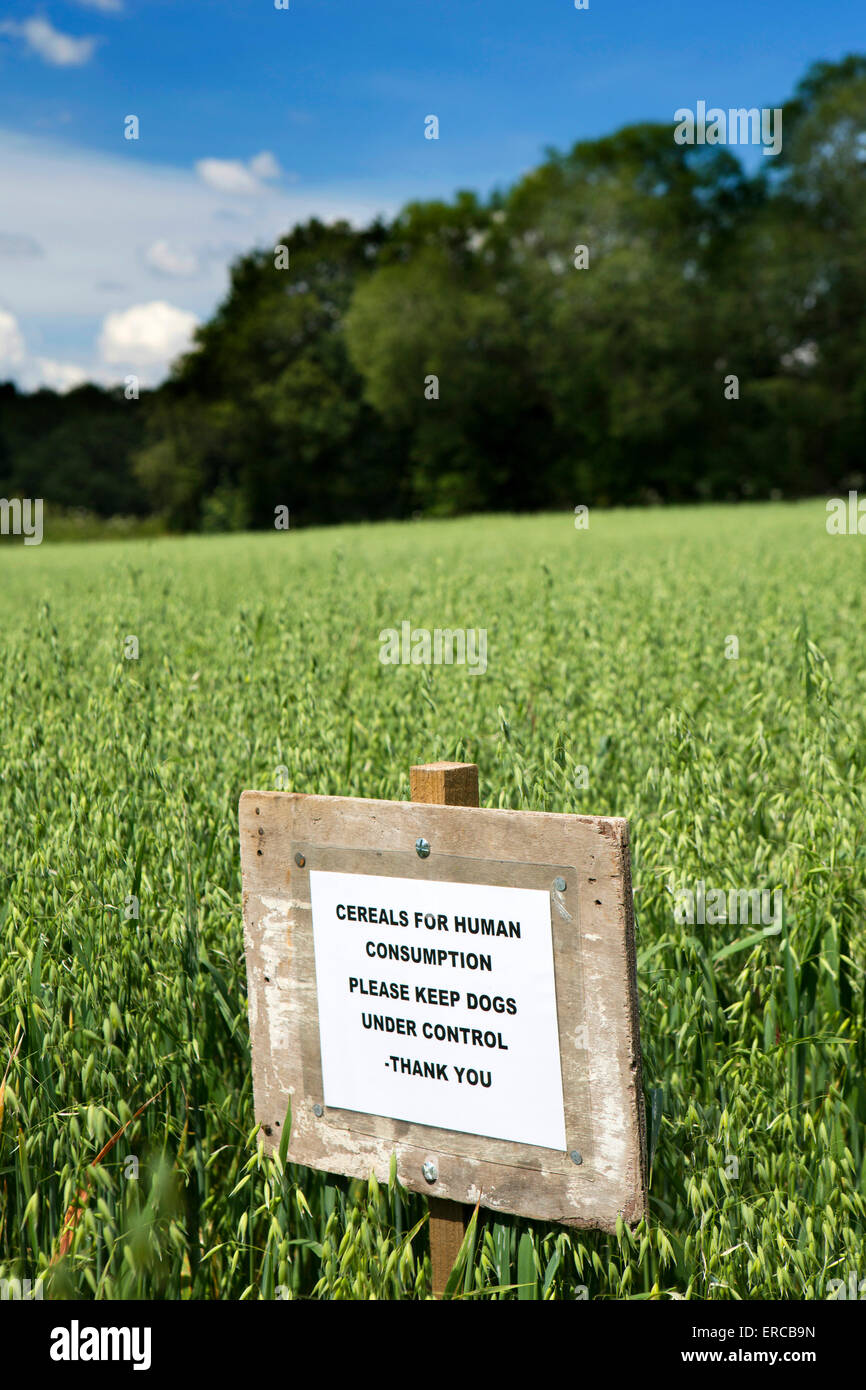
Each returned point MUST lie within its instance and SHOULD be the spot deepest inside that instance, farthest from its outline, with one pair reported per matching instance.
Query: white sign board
(437, 1004)
(450, 989)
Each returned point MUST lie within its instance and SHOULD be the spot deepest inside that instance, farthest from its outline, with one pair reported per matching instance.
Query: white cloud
(12, 350)
(33, 372)
(227, 176)
(59, 376)
(40, 36)
(171, 260)
(146, 335)
(238, 179)
(265, 166)
(96, 217)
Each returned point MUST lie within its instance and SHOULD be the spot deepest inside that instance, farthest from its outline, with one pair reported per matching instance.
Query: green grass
(605, 649)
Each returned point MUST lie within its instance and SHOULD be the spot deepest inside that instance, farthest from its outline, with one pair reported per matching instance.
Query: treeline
(714, 346)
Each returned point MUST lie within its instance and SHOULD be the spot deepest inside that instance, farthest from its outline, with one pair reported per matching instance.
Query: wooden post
(445, 784)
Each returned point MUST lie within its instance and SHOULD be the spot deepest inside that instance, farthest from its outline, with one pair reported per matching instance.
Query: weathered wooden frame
(596, 990)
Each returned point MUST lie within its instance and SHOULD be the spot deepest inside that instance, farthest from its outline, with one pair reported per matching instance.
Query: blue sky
(252, 117)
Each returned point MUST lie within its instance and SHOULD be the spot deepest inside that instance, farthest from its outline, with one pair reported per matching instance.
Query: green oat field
(606, 650)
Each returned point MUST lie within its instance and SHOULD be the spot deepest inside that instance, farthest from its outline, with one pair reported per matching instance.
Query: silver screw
(559, 884)
(430, 1171)
(576, 1157)
(317, 1110)
(422, 849)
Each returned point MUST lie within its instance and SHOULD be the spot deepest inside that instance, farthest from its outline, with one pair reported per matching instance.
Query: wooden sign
(453, 985)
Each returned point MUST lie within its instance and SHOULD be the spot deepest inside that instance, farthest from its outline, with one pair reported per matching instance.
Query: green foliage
(120, 779)
(309, 388)
(72, 450)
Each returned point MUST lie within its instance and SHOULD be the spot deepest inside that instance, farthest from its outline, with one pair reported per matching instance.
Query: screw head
(317, 1110)
(422, 849)
(430, 1171)
(300, 860)
(559, 884)
(576, 1157)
